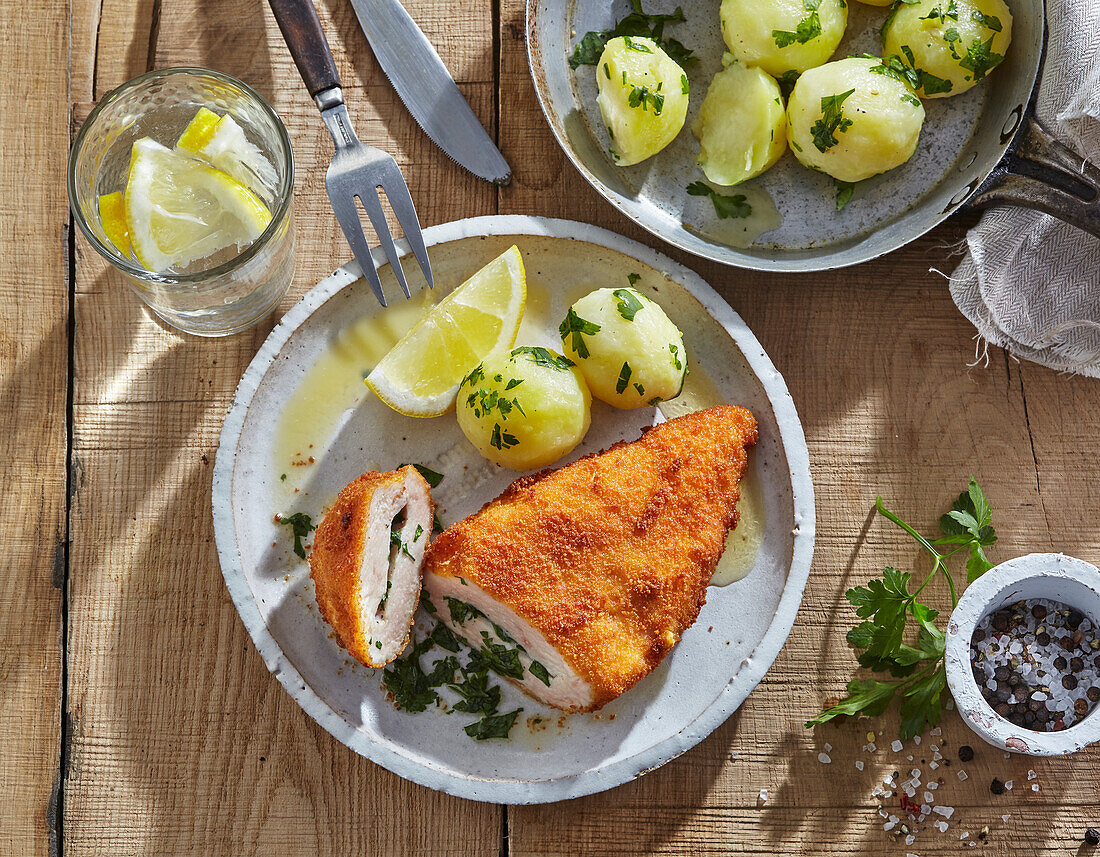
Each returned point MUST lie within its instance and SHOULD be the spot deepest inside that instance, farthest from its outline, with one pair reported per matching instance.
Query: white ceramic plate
(708, 675)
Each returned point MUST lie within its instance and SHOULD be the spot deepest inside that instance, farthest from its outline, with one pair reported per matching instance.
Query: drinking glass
(233, 294)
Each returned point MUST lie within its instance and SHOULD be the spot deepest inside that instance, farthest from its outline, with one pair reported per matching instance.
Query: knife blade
(427, 89)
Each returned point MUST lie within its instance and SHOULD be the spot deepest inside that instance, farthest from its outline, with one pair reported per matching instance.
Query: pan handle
(1041, 173)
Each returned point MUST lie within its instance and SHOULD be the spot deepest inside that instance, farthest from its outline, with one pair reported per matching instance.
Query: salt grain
(933, 785)
(828, 747)
(916, 739)
(1008, 786)
(933, 765)
(763, 796)
(1006, 816)
(1031, 775)
(910, 839)
(945, 811)
(962, 775)
(929, 797)
(896, 746)
(941, 826)
(824, 758)
(1035, 787)
(936, 731)
(859, 765)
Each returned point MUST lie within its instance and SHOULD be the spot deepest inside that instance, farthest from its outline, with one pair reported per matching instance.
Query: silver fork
(357, 170)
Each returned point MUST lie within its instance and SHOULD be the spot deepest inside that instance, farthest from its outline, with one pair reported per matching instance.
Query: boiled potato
(952, 44)
(630, 352)
(852, 122)
(643, 98)
(782, 36)
(742, 126)
(524, 409)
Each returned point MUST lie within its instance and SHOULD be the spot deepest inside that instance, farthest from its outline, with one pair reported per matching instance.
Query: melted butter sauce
(699, 217)
(334, 384)
(744, 541)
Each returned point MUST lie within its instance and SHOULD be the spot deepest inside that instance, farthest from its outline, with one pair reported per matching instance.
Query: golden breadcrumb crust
(609, 557)
(336, 556)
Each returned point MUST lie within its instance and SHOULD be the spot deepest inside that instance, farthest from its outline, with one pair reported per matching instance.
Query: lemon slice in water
(112, 217)
(221, 142)
(420, 375)
(180, 210)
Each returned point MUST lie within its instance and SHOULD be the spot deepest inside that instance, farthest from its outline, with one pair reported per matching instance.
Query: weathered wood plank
(34, 306)
(182, 741)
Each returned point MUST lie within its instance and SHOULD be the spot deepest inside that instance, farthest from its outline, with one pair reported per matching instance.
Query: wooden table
(138, 719)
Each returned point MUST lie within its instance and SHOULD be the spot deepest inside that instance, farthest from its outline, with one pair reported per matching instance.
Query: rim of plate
(593, 780)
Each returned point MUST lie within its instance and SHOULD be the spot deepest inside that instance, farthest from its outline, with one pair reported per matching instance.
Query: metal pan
(980, 148)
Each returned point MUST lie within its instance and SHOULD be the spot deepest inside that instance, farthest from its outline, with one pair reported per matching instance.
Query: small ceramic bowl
(1038, 575)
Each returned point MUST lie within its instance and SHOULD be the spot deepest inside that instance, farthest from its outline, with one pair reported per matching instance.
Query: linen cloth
(1029, 282)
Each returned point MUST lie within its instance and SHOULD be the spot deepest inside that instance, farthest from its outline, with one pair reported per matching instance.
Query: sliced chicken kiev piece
(579, 581)
(366, 561)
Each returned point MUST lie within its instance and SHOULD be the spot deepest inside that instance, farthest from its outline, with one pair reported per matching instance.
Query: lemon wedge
(179, 210)
(420, 375)
(222, 143)
(112, 217)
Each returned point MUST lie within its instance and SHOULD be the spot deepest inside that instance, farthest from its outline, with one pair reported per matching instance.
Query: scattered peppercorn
(1039, 612)
(1092, 836)
(1069, 682)
(997, 787)
(966, 753)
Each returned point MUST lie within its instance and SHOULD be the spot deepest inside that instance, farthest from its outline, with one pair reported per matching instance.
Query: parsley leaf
(808, 29)
(832, 121)
(990, 22)
(724, 206)
(886, 604)
(640, 96)
(577, 328)
(496, 726)
(477, 695)
(787, 80)
(980, 58)
(302, 526)
(540, 672)
(498, 657)
(432, 477)
(445, 638)
(637, 23)
(406, 680)
(624, 378)
(542, 357)
(844, 192)
(627, 302)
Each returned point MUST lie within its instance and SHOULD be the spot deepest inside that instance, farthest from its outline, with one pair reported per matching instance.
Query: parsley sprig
(832, 121)
(885, 605)
(734, 206)
(808, 29)
(301, 524)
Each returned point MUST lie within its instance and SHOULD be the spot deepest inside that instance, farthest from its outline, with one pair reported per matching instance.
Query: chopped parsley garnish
(437, 525)
(633, 278)
(444, 637)
(385, 597)
(577, 328)
(724, 206)
(909, 98)
(844, 192)
(282, 478)
(990, 22)
(411, 687)
(638, 24)
(512, 384)
(498, 657)
(624, 378)
(432, 477)
(808, 29)
(640, 96)
(461, 611)
(915, 77)
(418, 533)
(302, 526)
(943, 13)
(496, 726)
(632, 45)
(675, 352)
(980, 58)
(787, 80)
(540, 672)
(544, 356)
(832, 121)
(477, 695)
(426, 602)
(639, 388)
(502, 439)
(684, 84)
(627, 303)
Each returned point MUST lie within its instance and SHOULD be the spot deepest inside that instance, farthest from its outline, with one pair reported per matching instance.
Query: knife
(427, 89)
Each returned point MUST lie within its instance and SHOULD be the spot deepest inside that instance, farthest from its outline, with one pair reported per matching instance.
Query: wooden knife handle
(302, 32)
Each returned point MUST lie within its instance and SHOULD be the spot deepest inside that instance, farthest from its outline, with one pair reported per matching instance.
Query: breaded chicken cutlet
(594, 570)
(366, 560)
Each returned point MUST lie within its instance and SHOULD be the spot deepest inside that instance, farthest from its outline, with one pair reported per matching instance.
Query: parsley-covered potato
(950, 44)
(742, 126)
(630, 352)
(643, 98)
(783, 36)
(853, 119)
(524, 409)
